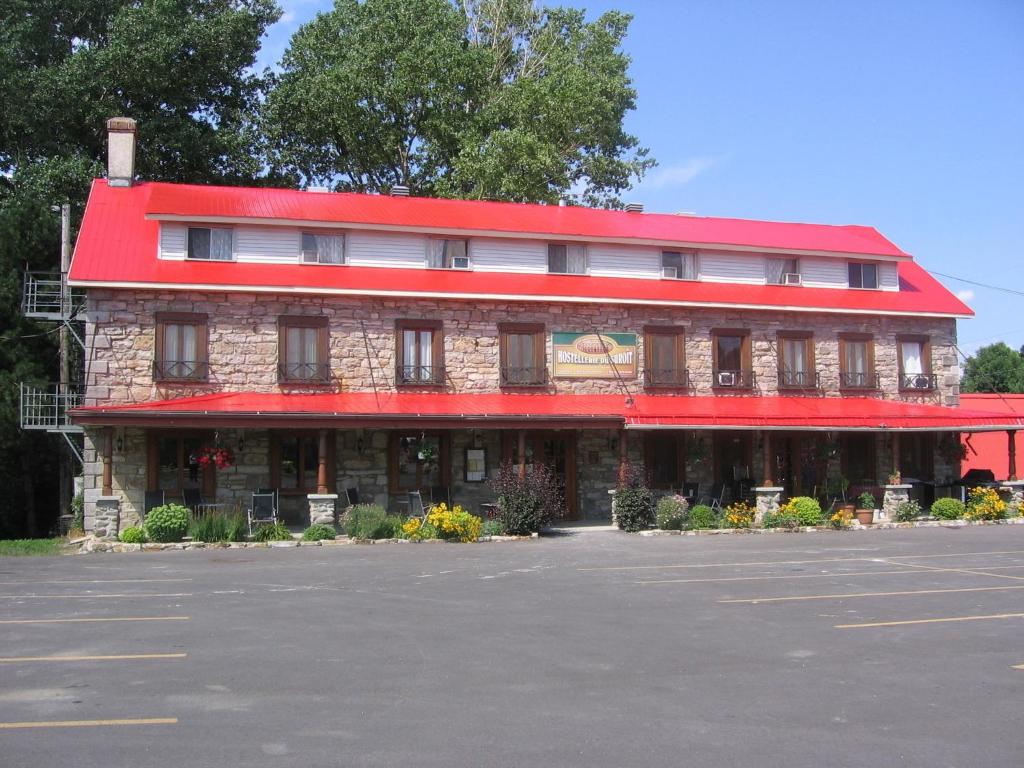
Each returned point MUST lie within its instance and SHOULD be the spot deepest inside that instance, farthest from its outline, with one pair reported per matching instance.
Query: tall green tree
(485, 99)
(995, 368)
(183, 69)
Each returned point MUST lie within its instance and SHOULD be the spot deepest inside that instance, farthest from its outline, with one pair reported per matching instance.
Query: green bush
(702, 516)
(909, 510)
(492, 528)
(781, 518)
(947, 509)
(866, 501)
(670, 514)
(371, 521)
(272, 532)
(78, 511)
(133, 535)
(318, 533)
(167, 523)
(806, 510)
(215, 528)
(634, 504)
(237, 529)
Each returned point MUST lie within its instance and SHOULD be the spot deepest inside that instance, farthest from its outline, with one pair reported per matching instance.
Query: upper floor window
(212, 243)
(181, 347)
(567, 259)
(796, 361)
(303, 350)
(782, 271)
(677, 265)
(731, 358)
(523, 354)
(420, 352)
(664, 357)
(448, 254)
(915, 362)
(857, 362)
(323, 249)
(863, 275)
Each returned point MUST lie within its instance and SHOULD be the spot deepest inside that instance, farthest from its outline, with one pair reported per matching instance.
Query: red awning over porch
(550, 411)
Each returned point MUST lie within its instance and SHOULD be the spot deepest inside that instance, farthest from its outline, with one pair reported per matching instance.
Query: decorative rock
(322, 508)
(107, 520)
(894, 496)
(768, 500)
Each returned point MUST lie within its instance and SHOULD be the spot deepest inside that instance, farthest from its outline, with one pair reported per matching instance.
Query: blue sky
(907, 116)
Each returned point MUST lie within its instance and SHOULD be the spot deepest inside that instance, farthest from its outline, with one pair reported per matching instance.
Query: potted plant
(895, 478)
(865, 508)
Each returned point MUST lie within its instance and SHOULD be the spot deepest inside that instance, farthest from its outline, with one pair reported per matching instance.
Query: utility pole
(66, 468)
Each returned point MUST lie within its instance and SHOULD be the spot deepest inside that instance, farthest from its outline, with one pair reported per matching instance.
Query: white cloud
(679, 174)
(966, 295)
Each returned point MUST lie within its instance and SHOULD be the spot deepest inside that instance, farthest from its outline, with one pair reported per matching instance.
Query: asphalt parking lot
(595, 649)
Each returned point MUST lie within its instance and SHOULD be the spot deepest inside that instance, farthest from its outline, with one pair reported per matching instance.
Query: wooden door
(558, 451)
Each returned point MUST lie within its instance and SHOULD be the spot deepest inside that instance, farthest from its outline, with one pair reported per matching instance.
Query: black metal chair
(152, 500)
(352, 494)
(690, 491)
(263, 510)
(193, 499)
(440, 494)
(416, 505)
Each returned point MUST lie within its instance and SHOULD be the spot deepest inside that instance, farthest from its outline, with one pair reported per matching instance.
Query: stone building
(322, 342)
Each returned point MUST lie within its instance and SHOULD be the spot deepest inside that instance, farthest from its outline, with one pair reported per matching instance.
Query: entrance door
(733, 452)
(558, 451)
(796, 463)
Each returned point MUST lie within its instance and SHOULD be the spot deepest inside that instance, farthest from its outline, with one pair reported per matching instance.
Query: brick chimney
(120, 151)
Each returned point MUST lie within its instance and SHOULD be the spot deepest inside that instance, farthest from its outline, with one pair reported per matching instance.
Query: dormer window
(210, 243)
(863, 275)
(567, 259)
(676, 265)
(448, 254)
(782, 271)
(323, 249)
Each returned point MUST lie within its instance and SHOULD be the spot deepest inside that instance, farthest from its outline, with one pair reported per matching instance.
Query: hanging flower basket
(211, 455)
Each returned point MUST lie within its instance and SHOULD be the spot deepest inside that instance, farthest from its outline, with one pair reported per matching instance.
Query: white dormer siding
(173, 240)
(888, 278)
(271, 245)
(731, 268)
(823, 273)
(488, 254)
(386, 249)
(624, 261)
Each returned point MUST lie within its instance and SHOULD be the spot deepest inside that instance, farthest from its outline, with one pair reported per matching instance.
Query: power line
(980, 285)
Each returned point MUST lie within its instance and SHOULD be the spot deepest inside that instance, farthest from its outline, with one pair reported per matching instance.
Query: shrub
(272, 532)
(806, 510)
(866, 501)
(133, 535)
(670, 514)
(634, 502)
(945, 509)
(911, 510)
(984, 504)
(527, 504)
(318, 533)
(167, 523)
(78, 512)
(781, 518)
(237, 528)
(492, 528)
(414, 528)
(702, 516)
(842, 518)
(739, 514)
(455, 524)
(367, 521)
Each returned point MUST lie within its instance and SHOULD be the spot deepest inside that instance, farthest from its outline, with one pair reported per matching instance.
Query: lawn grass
(26, 547)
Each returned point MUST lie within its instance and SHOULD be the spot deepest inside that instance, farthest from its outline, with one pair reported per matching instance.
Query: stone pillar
(322, 508)
(894, 496)
(769, 498)
(1014, 492)
(107, 518)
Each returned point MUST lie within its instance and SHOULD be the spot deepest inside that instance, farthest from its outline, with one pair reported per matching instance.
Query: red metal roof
(117, 245)
(992, 450)
(497, 410)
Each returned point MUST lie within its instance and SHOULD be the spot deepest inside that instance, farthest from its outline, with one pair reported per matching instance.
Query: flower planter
(865, 516)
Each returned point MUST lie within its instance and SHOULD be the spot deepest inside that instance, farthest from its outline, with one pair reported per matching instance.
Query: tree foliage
(490, 99)
(995, 368)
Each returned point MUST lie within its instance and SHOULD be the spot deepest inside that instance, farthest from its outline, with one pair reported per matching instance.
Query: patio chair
(152, 499)
(263, 510)
(416, 505)
(352, 495)
(715, 496)
(193, 499)
(690, 492)
(440, 494)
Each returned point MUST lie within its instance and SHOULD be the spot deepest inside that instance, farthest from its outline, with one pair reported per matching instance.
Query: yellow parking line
(113, 657)
(96, 620)
(88, 723)
(929, 621)
(970, 571)
(127, 594)
(755, 600)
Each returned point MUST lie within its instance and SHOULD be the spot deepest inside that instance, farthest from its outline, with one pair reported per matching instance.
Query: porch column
(896, 453)
(766, 480)
(522, 453)
(1012, 452)
(108, 462)
(623, 456)
(321, 470)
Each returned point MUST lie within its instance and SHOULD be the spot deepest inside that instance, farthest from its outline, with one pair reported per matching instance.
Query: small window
(181, 347)
(796, 361)
(323, 249)
(209, 243)
(522, 352)
(732, 359)
(676, 265)
(782, 271)
(420, 351)
(915, 363)
(448, 254)
(303, 350)
(863, 275)
(664, 357)
(567, 259)
(857, 362)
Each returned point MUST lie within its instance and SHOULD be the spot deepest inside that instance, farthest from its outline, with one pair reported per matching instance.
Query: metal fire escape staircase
(48, 297)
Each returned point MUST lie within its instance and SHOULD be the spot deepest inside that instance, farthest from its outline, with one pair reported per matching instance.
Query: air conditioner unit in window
(791, 278)
(727, 378)
(460, 262)
(670, 272)
(921, 382)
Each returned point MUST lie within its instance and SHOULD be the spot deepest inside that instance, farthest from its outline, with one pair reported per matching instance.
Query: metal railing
(47, 296)
(180, 370)
(859, 380)
(419, 374)
(523, 377)
(921, 382)
(303, 373)
(799, 380)
(731, 379)
(667, 377)
(46, 407)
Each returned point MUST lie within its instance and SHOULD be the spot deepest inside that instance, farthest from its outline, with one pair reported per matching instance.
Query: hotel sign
(593, 355)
